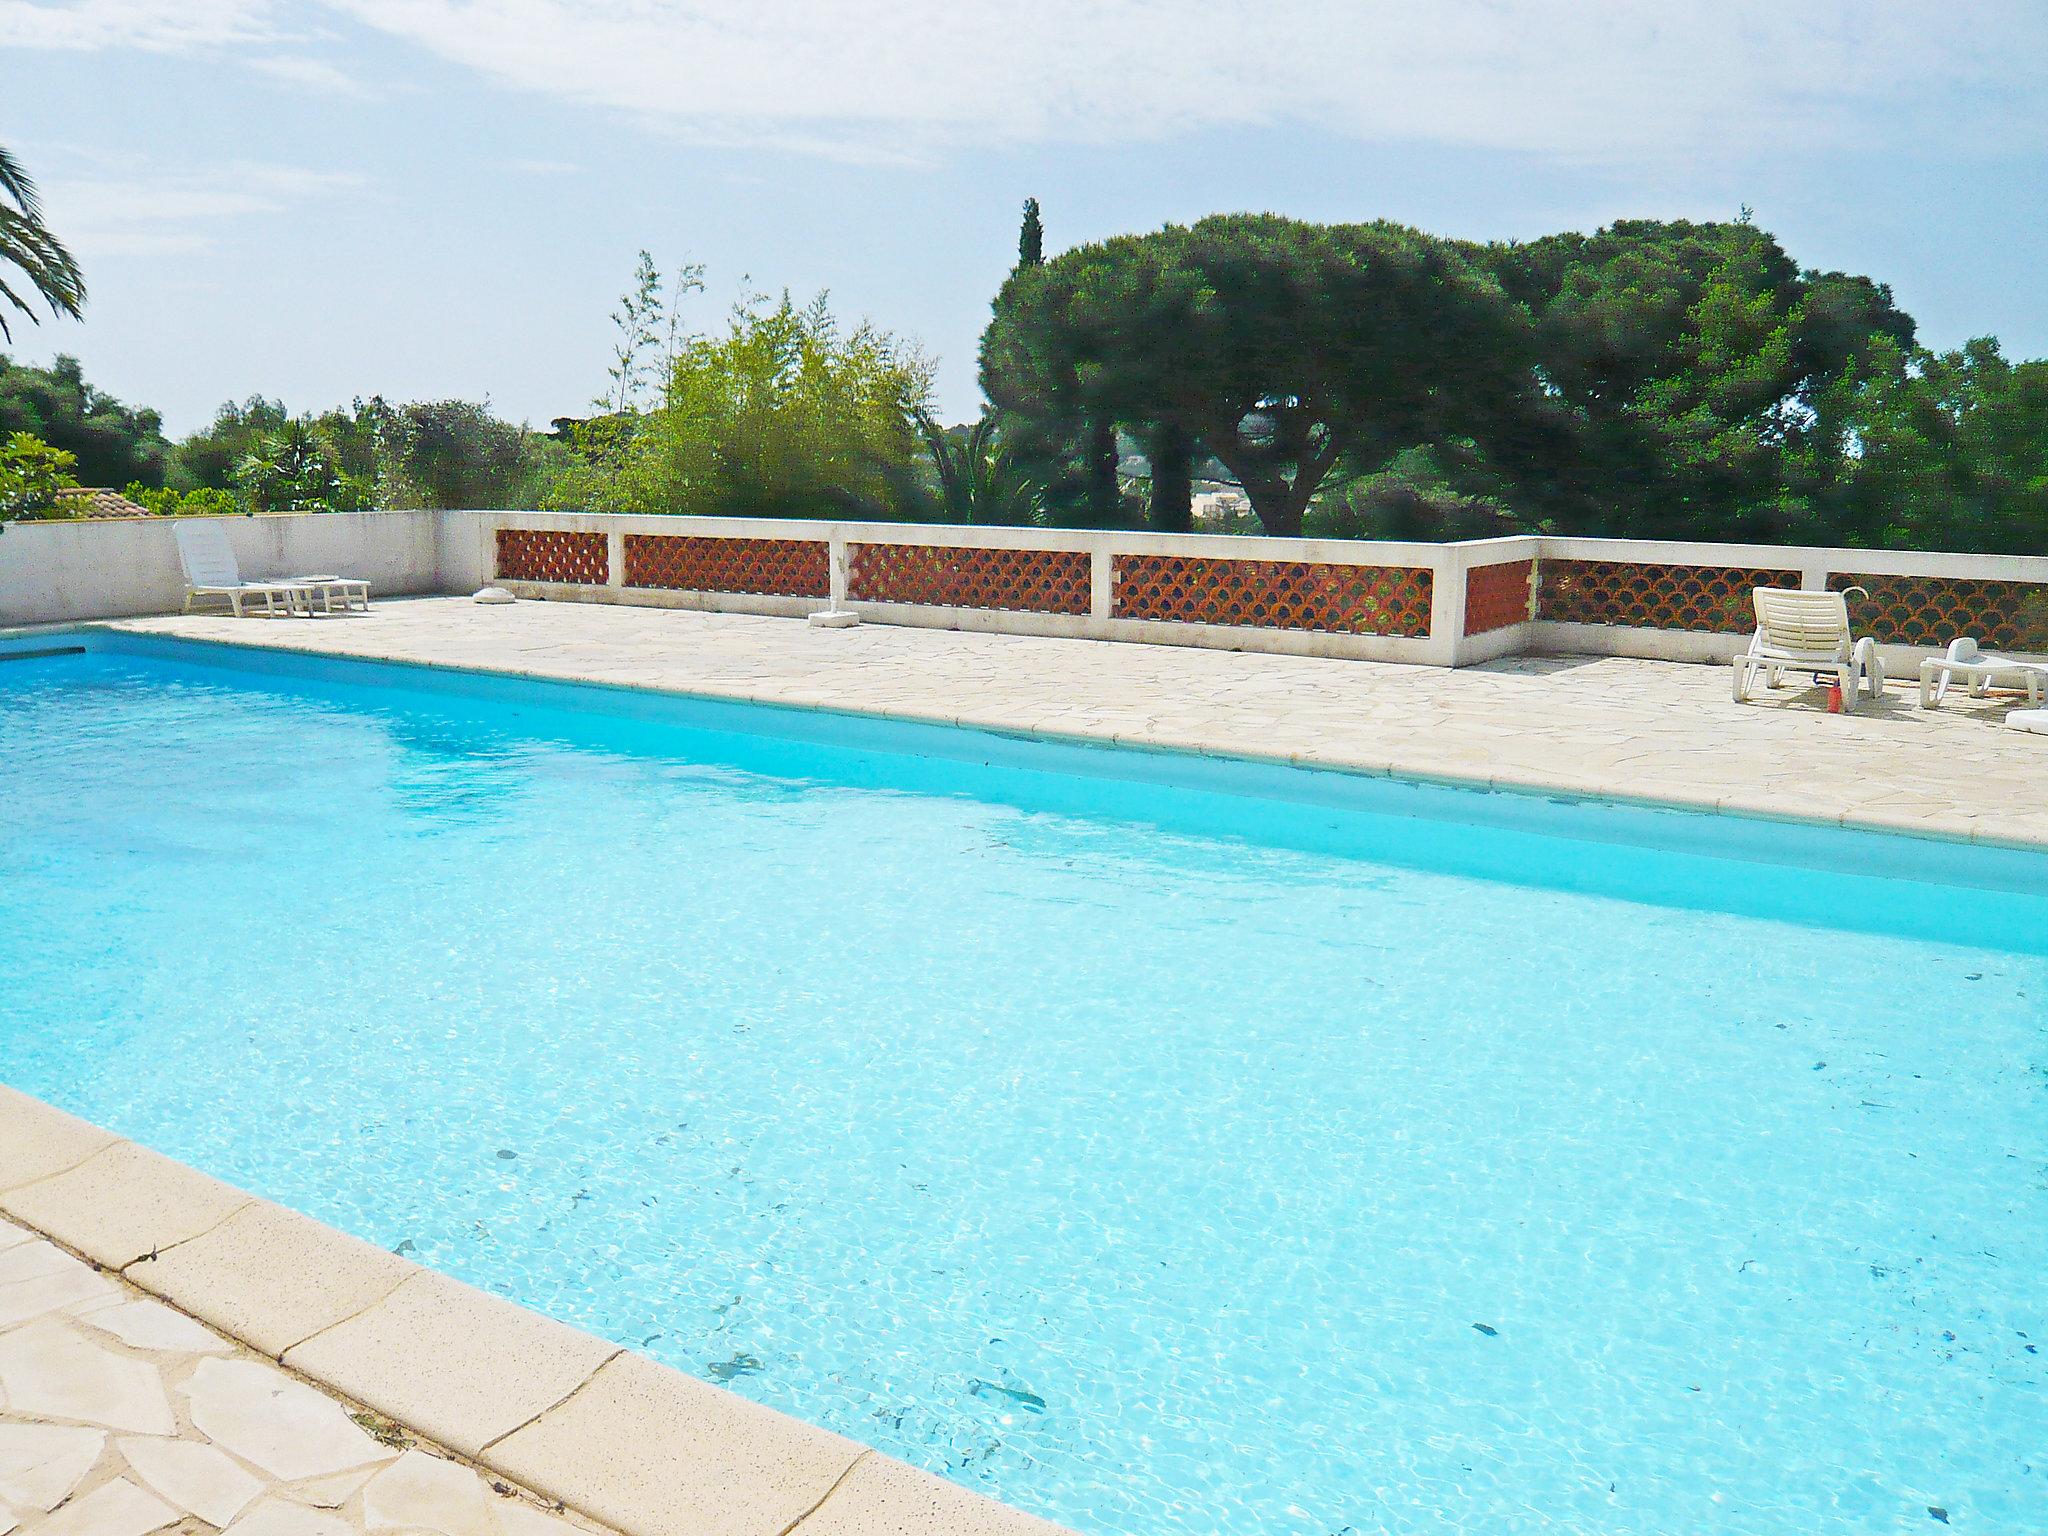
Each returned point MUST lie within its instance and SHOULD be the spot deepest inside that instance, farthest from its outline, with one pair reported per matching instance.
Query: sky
(443, 198)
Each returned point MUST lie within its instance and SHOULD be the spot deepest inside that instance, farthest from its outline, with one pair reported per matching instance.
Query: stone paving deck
(1643, 730)
(120, 1416)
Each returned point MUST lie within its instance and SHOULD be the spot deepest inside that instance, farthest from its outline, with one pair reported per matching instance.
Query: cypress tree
(1031, 238)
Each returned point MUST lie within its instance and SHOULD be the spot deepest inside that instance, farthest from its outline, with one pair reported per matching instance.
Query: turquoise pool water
(1162, 1146)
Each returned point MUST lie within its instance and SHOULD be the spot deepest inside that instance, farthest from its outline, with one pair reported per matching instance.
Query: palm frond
(19, 185)
(27, 245)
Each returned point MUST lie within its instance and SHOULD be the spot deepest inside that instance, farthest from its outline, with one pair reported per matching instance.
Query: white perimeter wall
(54, 572)
(118, 567)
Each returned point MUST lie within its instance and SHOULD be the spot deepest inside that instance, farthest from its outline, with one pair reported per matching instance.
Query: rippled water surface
(1126, 1153)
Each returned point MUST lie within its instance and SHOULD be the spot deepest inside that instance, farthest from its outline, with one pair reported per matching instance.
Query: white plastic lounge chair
(1980, 670)
(211, 572)
(1807, 632)
(2034, 720)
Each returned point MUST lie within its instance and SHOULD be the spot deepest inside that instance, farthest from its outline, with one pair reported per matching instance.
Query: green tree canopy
(111, 443)
(1697, 366)
(1279, 346)
(454, 453)
(1951, 452)
(210, 456)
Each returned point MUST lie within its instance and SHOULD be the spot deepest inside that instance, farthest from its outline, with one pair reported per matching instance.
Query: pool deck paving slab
(1609, 727)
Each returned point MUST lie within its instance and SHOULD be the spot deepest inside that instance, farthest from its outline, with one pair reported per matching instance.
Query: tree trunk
(1278, 512)
(1171, 451)
(1105, 506)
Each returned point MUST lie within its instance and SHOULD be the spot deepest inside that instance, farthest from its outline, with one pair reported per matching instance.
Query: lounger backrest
(1802, 621)
(204, 551)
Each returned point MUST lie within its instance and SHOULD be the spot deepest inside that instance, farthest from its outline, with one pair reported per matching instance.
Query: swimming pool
(1159, 1144)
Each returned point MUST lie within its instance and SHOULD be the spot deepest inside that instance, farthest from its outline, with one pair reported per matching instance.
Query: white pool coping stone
(617, 1437)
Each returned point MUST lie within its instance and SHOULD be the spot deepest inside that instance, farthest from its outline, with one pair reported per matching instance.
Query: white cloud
(165, 25)
(181, 212)
(304, 73)
(1599, 79)
(1595, 78)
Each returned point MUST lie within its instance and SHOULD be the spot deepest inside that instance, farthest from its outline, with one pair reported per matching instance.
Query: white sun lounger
(1979, 670)
(336, 594)
(1800, 631)
(211, 573)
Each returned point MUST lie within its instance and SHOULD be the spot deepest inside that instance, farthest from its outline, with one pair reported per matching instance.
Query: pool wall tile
(461, 1366)
(124, 1202)
(657, 1453)
(38, 1140)
(229, 1276)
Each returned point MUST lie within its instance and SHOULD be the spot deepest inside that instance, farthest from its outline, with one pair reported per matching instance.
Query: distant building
(1221, 511)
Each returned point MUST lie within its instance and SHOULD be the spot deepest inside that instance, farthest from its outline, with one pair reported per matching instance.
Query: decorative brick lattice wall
(1020, 580)
(766, 567)
(1697, 597)
(550, 554)
(1275, 594)
(1933, 610)
(1497, 596)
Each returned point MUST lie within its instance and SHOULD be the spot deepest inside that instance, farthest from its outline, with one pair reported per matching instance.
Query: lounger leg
(1848, 676)
(1741, 682)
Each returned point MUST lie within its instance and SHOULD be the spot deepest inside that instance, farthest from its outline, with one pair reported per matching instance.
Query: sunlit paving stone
(279, 1517)
(63, 1283)
(278, 1424)
(151, 1325)
(419, 1492)
(332, 1492)
(50, 1370)
(194, 1476)
(41, 1463)
(118, 1508)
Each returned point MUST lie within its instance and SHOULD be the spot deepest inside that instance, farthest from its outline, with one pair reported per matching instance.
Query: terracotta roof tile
(88, 501)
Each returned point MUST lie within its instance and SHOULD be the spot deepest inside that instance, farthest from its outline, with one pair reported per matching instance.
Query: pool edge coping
(1532, 786)
(660, 1454)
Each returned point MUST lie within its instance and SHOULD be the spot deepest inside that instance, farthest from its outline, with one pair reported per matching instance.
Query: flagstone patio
(120, 1416)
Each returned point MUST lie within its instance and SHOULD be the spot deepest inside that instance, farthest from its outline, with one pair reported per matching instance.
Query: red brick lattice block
(1933, 610)
(1497, 596)
(1697, 597)
(1021, 580)
(692, 563)
(1275, 594)
(551, 554)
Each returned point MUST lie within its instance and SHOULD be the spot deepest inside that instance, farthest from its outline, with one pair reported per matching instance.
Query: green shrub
(32, 473)
(204, 501)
